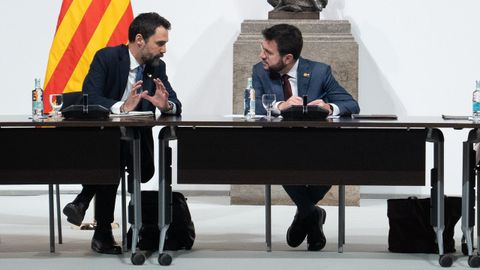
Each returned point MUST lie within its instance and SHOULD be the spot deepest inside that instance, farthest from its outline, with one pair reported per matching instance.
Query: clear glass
(56, 101)
(268, 100)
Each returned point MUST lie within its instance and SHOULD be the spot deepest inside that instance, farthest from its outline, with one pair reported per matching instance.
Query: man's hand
(133, 99)
(321, 103)
(160, 99)
(293, 100)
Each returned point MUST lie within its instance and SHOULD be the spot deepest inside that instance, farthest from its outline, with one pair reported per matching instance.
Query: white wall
(416, 58)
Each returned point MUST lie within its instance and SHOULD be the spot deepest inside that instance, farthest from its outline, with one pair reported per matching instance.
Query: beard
(277, 67)
(151, 60)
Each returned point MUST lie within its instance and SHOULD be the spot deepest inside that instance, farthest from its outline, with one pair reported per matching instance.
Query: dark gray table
(353, 143)
(52, 151)
(344, 151)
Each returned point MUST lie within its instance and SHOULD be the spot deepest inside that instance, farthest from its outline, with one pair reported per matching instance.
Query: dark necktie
(139, 76)
(287, 88)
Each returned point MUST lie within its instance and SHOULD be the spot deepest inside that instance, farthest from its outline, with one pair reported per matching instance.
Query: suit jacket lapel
(124, 69)
(303, 77)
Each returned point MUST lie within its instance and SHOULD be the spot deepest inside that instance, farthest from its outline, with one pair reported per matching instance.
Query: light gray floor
(228, 237)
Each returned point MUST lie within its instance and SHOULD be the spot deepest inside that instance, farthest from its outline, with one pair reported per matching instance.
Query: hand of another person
(160, 99)
(321, 103)
(133, 99)
(293, 100)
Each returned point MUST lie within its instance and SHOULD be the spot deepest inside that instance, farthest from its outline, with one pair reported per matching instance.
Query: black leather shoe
(75, 211)
(297, 232)
(315, 238)
(105, 243)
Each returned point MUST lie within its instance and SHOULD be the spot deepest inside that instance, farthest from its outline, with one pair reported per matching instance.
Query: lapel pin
(306, 74)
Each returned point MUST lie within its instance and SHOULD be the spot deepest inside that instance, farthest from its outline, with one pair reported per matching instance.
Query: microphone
(305, 104)
(85, 103)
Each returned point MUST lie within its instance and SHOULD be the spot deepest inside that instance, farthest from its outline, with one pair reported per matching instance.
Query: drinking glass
(268, 100)
(56, 101)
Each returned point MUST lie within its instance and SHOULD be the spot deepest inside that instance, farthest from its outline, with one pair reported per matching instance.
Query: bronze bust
(298, 5)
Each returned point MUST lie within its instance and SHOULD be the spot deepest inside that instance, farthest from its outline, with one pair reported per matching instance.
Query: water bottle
(476, 102)
(249, 100)
(37, 100)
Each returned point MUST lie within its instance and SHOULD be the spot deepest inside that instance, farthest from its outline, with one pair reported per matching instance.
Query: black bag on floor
(410, 229)
(180, 234)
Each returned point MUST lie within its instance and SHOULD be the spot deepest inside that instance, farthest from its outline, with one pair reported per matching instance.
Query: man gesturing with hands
(126, 78)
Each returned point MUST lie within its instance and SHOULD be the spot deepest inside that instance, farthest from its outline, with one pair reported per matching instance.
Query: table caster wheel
(137, 258)
(164, 259)
(474, 261)
(445, 260)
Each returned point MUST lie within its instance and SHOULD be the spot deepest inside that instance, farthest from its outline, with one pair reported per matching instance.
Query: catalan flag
(83, 27)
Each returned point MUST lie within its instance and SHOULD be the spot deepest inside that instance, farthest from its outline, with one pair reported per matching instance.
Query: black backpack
(181, 232)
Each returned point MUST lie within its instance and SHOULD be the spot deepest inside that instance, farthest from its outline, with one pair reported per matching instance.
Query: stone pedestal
(255, 195)
(330, 42)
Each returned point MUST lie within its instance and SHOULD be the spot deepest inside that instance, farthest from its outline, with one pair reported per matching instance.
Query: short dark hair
(288, 38)
(145, 24)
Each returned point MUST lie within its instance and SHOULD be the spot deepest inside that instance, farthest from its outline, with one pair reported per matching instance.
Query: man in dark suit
(126, 78)
(284, 73)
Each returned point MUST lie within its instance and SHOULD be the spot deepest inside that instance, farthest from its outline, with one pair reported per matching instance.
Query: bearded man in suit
(290, 77)
(126, 78)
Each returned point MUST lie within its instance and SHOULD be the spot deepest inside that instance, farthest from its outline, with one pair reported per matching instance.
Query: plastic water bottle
(476, 102)
(37, 100)
(249, 100)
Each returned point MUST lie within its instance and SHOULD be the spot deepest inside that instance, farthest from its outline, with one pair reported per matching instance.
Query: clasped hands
(159, 99)
(296, 100)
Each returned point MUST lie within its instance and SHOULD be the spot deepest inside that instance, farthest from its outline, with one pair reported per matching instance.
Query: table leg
(137, 258)
(437, 193)
(341, 218)
(164, 191)
(468, 198)
(268, 217)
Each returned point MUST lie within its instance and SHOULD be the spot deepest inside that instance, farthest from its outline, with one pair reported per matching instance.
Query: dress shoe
(75, 211)
(315, 238)
(297, 232)
(105, 243)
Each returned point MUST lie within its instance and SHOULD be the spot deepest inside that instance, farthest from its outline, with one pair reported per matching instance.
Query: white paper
(242, 116)
(132, 114)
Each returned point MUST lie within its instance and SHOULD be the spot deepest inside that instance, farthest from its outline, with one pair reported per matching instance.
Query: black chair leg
(59, 217)
(124, 212)
(51, 218)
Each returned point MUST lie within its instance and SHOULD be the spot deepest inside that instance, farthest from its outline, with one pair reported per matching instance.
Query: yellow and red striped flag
(83, 27)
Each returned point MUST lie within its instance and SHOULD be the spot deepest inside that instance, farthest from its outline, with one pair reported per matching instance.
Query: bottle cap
(249, 82)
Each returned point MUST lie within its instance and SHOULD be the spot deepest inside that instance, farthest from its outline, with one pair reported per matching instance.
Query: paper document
(242, 116)
(132, 114)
